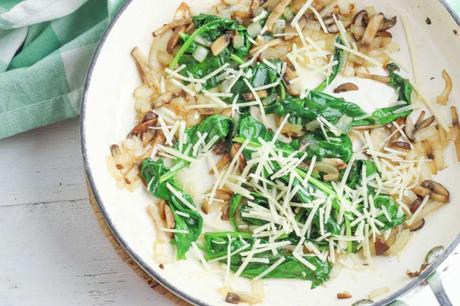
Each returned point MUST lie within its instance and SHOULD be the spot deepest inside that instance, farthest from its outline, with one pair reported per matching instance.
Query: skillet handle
(435, 283)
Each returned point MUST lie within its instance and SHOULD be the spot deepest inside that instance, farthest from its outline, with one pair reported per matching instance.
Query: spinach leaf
(331, 108)
(401, 85)
(216, 244)
(210, 27)
(216, 127)
(395, 216)
(192, 225)
(261, 74)
(339, 147)
(380, 201)
(339, 57)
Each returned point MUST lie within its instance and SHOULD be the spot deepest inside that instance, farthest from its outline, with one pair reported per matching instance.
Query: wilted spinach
(151, 172)
(216, 246)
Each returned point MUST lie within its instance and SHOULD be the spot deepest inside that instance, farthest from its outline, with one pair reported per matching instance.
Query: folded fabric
(45, 50)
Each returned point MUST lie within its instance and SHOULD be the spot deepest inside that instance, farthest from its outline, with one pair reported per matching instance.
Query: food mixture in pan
(257, 158)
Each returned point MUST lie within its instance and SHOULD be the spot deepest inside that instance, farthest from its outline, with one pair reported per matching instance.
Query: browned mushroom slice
(150, 119)
(260, 94)
(171, 26)
(225, 212)
(232, 298)
(344, 295)
(415, 205)
(220, 44)
(400, 145)
(384, 34)
(437, 191)
(372, 28)
(346, 87)
(421, 191)
(409, 130)
(183, 12)
(388, 23)
(417, 226)
(359, 25)
(221, 148)
(380, 247)
(144, 68)
(174, 39)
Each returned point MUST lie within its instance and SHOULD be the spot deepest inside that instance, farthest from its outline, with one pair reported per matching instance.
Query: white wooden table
(53, 252)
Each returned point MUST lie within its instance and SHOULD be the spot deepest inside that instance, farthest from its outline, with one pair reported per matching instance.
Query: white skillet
(108, 115)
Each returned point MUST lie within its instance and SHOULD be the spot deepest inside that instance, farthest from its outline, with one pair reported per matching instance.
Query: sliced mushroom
(421, 191)
(205, 207)
(418, 225)
(388, 23)
(326, 168)
(437, 191)
(359, 24)
(276, 13)
(183, 12)
(400, 145)
(174, 39)
(331, 26)
(335, 162)
(149, 120)
(221, 148)
(344, 295)
(346, 87)
(415, 205)
(171, 26)
(232, 298)
(223, 194)
(220, 44)
(424, 123)
(145, 69)
(409, 130)
(380, 247)
(372, 28)
(225, 212)
(443, 98)
(250, 96)
(332, 177)
(384, 34)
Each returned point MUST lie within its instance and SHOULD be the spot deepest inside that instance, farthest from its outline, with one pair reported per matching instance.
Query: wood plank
(43, 165)
(55, 254)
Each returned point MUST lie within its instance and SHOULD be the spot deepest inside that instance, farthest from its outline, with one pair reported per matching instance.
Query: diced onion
(238, 41)
(202, 41)
(200, 53)
(280, 24)
(254, 29)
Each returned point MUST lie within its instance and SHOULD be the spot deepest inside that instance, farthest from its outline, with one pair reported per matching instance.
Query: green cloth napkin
(45, 50)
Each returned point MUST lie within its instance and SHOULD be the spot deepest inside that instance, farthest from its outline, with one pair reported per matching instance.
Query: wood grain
(126, 258)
